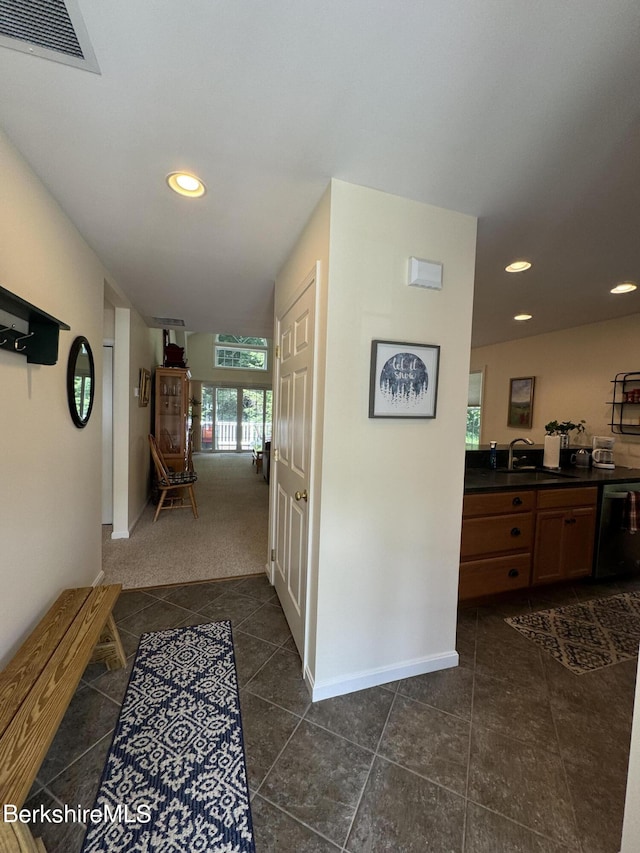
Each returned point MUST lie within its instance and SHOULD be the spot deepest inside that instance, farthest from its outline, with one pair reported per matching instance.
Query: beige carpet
(228, 539)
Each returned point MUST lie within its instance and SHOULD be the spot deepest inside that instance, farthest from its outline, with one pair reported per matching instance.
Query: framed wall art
(520, 413)
(404, 380)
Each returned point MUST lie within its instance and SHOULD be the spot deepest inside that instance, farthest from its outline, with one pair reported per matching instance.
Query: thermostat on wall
(425, 274)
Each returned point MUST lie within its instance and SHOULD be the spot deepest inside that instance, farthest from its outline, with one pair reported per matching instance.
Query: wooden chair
(169, 481)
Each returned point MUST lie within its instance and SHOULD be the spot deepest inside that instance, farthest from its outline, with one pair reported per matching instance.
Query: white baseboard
(99, 579)
(308, 680)
(375, 677)
(120, 534)
(124, 533)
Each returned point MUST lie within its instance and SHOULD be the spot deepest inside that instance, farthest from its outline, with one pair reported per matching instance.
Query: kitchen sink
(536, 473)
(483, 477)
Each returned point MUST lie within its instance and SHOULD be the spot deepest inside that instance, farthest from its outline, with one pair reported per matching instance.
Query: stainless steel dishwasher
(617, 550)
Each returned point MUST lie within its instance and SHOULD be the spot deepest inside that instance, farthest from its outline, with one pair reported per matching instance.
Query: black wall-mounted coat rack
(28, 330)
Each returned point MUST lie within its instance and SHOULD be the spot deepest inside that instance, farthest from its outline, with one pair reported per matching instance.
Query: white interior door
(291, 459)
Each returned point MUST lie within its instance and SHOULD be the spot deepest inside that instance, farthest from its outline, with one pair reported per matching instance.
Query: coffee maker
(602, 453)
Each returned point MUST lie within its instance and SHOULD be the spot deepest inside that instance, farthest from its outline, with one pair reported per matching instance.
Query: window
(235, 418)
(473, 408)
(473, 426)
(240, 353)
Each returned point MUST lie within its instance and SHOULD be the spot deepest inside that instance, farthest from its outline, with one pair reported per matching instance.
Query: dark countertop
(486, 480)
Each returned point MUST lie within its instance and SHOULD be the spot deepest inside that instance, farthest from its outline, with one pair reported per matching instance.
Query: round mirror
(81, 380)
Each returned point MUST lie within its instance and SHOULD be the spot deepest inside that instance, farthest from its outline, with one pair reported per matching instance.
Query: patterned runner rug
(175, 778)
(589, 636)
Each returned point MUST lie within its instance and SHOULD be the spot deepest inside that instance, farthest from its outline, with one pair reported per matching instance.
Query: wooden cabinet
(497, 537)
(511, 540)
(171, 407)
(565, 534)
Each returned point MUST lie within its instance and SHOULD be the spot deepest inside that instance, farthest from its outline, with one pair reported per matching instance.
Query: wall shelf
(623, 385)
(28, 330)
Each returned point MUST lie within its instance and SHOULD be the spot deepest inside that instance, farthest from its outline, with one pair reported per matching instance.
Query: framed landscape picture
(404, 380)
(520, 412)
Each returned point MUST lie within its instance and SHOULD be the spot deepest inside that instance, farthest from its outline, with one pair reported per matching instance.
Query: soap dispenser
(493, 454)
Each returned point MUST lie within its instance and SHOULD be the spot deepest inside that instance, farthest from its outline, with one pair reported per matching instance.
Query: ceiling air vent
(167, 321)
(51, 29)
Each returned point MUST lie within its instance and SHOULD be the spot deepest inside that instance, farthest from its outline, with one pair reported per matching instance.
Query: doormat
(175, 778)
(589, 636)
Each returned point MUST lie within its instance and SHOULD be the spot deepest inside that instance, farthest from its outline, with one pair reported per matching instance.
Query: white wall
(142, 343)
(573, 370)
(388, 497)
(136, 346)
(50, 503)
(50, 499)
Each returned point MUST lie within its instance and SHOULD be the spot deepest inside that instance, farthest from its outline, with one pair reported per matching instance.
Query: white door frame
(107, 432)
(121, 362)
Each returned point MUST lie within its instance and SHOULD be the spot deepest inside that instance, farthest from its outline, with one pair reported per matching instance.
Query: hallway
(508, 752)
(228, 539)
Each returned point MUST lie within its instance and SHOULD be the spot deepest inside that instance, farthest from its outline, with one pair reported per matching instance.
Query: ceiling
(522, 113)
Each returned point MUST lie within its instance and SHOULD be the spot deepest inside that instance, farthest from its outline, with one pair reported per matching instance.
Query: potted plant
(563, 428)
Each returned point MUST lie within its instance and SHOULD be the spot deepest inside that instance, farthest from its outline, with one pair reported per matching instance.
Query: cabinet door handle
(513, 573)
(517, 501)
(515, 531)
(569, 521)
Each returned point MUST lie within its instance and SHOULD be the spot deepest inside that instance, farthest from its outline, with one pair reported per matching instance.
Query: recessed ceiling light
(185, 184)
(518, 266)
(523, 316)
(624, 287)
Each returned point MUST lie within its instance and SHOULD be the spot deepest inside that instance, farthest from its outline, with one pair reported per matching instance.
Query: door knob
(301, 496)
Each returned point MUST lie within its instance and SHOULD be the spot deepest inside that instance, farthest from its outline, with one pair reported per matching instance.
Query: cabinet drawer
(498, 503)
(498, 534)
(551, 498)
(485, 577)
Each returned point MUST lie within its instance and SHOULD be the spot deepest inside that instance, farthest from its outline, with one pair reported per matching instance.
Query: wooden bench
(37, 686)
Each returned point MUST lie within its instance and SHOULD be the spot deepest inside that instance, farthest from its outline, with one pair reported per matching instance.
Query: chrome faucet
(513, 460)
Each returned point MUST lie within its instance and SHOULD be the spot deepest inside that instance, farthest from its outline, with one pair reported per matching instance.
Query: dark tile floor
(508, 753)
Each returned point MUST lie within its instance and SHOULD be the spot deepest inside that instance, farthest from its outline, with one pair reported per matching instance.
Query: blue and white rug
(175, 779)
